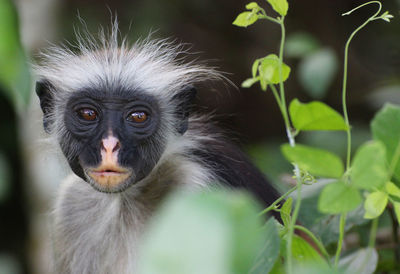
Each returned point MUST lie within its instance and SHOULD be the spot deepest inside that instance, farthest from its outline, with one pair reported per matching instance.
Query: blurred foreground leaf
(14, 70)
(363, 261)
(214, 233)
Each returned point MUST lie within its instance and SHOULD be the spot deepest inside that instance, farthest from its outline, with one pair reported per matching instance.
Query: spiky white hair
(150, 65)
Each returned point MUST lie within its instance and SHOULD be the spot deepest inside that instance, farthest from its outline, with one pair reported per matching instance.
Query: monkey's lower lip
(108, 179)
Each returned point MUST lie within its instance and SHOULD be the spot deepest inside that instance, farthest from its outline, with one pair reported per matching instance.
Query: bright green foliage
(394, 197)
(339, 197)
(386, 128)
(369, 169)
(14, 71)
(315, 116)
(374, 204)
(280, 6)
(317, 71)
(393, 191)
(248, 18)
(220, 228)
(286, 210)
(270, 252)
(316, 161)
(245, 19)
(266, 70)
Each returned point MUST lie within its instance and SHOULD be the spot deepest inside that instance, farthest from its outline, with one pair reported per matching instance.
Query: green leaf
(252, 5)
(315, 116)
(363, 261)
(375, 204)
(318, 162)
(249, 82)
(369, 169)
(220, 227)
(304, 253)
(267, 257)
(280, 6)
(300, 44)
(386, 128)
(254, 68)
(14, 71)
(397, 210)
(338, 198)
(317, 71)
(286, 210)
(392, 189)
(245, 19)
(269, 70)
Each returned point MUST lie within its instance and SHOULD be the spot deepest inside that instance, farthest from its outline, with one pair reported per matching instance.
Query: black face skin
(92, 115)
(112, 115)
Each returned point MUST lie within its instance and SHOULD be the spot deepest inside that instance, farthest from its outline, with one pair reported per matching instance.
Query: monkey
(123, 117)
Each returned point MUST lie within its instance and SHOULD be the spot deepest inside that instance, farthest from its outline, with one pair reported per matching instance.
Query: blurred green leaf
(269, 254)
(392, 189)
(303, 253)
(318, 162)
(216, 233)
(252, 5)
(385, 127)
(269, 70)
(249, 82)
(375, 204)
(14, 71)
(5, 178)
(286, 210)
(369, 169)
(317, 269)
(397, 210)
(280, 6)
(338, 197)
(317, 71)
(315, 116)
(300, 44)
(362, 261)
(245, 19)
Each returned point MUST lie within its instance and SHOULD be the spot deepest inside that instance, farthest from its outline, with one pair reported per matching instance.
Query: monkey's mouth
(109, 178)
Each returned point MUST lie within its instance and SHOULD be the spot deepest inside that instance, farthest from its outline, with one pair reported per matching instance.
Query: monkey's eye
(87, 114)
(137, 117)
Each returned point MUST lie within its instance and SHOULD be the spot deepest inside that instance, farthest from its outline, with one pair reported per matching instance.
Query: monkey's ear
(46, 101)
(185, 101)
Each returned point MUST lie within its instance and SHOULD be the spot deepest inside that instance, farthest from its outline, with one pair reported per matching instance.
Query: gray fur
(98, 232)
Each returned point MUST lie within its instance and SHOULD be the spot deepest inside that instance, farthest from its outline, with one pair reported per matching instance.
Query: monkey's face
(112, 140)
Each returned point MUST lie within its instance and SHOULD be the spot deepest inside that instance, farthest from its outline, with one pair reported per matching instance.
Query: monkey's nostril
(117, 147)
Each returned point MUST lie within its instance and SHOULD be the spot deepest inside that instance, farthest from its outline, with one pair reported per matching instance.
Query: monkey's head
(115, 110)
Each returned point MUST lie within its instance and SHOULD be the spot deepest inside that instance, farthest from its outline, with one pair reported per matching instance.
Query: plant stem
(341, 237)
(346, 116)
(395, 227)
(315, 240)
(274, 204)
(372, 233)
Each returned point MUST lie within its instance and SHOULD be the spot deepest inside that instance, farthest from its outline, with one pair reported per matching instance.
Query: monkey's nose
(110, 144)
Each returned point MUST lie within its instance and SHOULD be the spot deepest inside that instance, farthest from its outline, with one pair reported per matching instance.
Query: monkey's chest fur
(100, 233)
